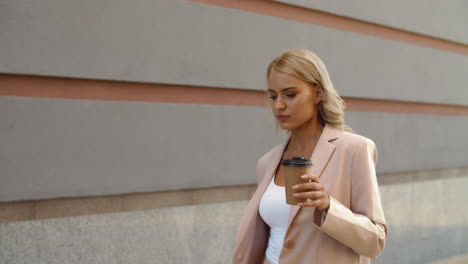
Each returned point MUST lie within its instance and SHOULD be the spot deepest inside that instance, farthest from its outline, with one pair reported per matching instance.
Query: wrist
(325, 209)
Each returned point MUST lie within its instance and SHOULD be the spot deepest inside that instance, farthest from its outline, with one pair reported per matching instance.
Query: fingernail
(304, 176)
(295, 194)
(295, 187)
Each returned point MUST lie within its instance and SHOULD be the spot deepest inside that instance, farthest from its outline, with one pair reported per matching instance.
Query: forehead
(278, 81)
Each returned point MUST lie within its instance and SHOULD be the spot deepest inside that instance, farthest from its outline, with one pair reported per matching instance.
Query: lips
(282, 117)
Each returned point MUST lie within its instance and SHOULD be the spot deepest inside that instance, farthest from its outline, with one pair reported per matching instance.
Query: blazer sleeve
(361, 227)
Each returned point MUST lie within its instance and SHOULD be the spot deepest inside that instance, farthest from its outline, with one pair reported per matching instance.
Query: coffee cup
(293, 170)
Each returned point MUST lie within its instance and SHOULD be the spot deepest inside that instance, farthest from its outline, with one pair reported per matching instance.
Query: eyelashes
(273, 97)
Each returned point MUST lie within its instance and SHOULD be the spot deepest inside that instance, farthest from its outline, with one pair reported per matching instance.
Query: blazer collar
(320, 156)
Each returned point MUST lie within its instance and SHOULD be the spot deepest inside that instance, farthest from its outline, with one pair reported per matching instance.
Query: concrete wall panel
(424, 218)
(414, 141)
(53, 148)
(182, 42)
(426, 221)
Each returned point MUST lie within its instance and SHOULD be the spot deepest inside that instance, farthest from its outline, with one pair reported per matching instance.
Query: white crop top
(275, 212)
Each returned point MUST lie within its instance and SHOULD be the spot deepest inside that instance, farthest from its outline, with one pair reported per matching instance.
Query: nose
(279, 104)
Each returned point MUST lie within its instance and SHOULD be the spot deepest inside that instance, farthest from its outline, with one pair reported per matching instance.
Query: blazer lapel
(320, 156)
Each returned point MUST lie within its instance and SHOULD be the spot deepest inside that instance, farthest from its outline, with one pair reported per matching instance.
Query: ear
(318, 94)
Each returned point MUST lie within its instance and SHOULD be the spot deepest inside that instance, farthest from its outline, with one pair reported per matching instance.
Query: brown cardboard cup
(293, 169)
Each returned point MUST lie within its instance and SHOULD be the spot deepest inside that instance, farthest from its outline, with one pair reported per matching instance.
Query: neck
(306, 136)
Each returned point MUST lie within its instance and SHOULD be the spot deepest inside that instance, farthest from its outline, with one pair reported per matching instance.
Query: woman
(342, 219)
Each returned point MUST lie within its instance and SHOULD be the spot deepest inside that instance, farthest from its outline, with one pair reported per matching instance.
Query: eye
(291, 95)
(272, 97)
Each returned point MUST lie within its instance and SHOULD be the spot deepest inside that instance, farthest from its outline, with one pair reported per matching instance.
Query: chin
(286, 127)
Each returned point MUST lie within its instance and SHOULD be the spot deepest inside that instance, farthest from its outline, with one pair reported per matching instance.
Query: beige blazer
(354, 229)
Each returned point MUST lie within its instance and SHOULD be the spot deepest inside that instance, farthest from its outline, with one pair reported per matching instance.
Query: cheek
(310, 113)
(305, 109)
(306, 115)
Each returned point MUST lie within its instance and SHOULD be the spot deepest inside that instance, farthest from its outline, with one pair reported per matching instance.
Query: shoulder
(358, 147)
(348, 138)
(269, 154)
(352, 142)
(265, 160)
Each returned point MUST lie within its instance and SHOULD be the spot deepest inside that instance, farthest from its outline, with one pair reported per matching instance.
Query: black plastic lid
(297, 162)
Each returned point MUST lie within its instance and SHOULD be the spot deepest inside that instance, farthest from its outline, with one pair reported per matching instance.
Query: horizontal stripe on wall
(321, 18)
(68, 88)
(445, 20)
(66, 207)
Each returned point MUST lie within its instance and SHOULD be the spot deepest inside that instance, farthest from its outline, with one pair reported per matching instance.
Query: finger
(312, 195)
(309, 177)
(315, 203)
(308, 186)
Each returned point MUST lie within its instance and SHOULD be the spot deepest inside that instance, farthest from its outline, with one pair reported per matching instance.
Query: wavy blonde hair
(307, 66)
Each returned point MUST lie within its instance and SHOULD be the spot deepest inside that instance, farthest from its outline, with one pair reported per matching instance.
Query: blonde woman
(342, 220)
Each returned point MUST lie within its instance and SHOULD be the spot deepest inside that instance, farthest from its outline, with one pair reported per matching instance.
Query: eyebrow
(283, 90)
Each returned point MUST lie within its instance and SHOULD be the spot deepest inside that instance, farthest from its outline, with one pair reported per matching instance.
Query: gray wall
(190, 43)
(441, 19)
(53, 148)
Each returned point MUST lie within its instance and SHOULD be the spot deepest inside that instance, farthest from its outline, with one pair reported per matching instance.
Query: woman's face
(292, 100)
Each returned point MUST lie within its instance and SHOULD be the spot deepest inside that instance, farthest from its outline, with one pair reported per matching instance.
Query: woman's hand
(313, 190)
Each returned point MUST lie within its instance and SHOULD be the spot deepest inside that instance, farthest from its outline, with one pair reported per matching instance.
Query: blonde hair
(307, 66)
